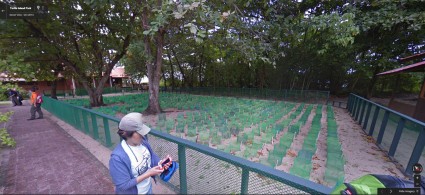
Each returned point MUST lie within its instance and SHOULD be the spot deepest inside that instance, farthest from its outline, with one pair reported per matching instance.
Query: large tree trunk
(54, 86)
(96, 99)
(95, 94)
(53, 89)
(154, 68)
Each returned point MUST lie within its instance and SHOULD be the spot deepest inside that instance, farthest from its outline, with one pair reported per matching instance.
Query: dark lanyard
(132, 152)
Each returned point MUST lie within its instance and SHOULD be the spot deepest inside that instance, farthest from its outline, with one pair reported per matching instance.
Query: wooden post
(420, 105)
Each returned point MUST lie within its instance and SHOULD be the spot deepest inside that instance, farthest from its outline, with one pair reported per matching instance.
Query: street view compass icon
(417, 168)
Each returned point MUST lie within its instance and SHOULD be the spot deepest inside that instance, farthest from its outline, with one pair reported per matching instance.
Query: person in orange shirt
(35, 107)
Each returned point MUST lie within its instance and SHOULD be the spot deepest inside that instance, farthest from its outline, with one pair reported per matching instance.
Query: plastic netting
(334, 171)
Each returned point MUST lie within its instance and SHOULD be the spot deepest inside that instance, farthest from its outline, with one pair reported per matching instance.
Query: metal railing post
(108, 140)
(417, 151)
(375, 117)
(77, 119)
(369, 108)
(358, 109)
(182, 169)
(94, 125)
(355, 102)
(244, 181)
(397, 136)
(383, 126)
(362, 112)
(86, 123)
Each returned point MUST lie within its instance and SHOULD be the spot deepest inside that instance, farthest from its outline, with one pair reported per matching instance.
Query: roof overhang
(417, 67)
(416, 56)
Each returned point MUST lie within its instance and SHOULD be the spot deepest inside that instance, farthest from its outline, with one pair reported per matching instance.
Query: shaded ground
(47, 160)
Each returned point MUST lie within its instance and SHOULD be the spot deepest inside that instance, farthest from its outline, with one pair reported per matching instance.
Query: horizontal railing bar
(92, 111)
(392, 111)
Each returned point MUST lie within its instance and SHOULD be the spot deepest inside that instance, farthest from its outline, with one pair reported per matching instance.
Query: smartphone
(165, 162)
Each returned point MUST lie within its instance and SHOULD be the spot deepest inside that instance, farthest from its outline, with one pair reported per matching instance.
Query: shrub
(5, 139)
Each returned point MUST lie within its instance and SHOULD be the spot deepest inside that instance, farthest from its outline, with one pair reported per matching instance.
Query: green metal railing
(402, 136)
(311, 96)
(202, 169)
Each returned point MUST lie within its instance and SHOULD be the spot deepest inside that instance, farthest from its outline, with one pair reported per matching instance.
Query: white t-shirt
(140, 163)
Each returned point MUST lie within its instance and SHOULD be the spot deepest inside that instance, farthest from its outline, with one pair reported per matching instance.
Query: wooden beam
(419, 55)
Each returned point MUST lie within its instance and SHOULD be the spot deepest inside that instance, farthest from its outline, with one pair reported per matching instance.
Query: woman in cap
(133, 162)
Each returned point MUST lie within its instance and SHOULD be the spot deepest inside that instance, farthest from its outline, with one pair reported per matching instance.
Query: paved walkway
(47, 160)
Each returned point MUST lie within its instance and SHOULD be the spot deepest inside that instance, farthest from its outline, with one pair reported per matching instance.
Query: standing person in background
(133, 161)
(35, 104)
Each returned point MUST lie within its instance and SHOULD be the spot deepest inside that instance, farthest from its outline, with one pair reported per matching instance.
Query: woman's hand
(167, 165)
(154, 171)
(149, 173)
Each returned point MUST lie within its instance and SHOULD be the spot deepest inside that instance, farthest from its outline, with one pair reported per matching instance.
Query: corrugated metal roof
(118, 72)
(417, 67)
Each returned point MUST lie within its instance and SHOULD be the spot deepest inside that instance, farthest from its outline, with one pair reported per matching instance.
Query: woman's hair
(125, 134)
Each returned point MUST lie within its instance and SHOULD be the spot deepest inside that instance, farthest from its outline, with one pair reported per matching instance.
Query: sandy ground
(360, 151)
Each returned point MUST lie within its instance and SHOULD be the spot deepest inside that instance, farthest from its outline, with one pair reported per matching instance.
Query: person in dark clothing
(14, 97)
(19, 97)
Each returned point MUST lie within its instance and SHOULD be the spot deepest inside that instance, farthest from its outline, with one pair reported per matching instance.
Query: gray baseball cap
(134, 122)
